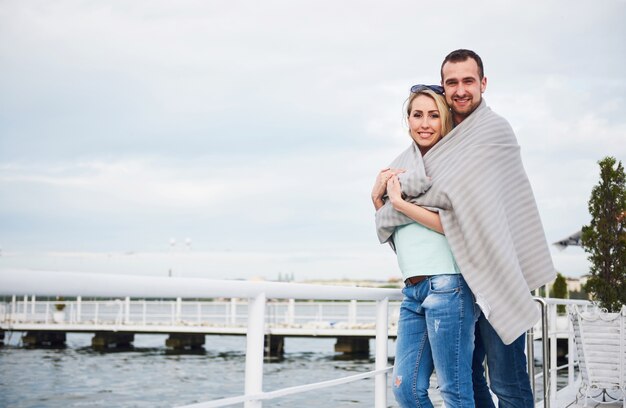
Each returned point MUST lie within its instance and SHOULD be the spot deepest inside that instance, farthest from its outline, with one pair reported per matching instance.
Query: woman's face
(424, 122)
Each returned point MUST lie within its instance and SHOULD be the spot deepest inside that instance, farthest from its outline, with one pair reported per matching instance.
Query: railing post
(172, 313)
(553, 351)
(179, 308)
(144, 311)
(32, 306)
(291, 311)
(382, 327)
(14, 310)
(79, 302)
(571, 350)
(352, 313)
(127, 310)
(545, 351)
(254, 348)
(233, 311)
(530, 359)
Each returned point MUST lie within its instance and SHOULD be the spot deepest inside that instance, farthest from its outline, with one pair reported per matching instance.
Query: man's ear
(483, 84)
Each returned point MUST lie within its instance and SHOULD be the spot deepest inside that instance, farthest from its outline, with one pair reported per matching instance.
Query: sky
(241, 139)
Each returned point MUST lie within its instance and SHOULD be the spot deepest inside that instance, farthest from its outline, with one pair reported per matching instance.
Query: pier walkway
(115, 322)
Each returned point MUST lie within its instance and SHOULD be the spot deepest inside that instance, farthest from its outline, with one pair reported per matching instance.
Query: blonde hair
(442, 107)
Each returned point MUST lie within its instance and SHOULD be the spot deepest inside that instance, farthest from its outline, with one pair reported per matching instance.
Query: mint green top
(422, 251)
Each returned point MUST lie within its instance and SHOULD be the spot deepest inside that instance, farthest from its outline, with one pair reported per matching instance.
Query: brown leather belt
(414, 280)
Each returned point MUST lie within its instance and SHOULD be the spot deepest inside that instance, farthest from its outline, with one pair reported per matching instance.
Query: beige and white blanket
(489, 216)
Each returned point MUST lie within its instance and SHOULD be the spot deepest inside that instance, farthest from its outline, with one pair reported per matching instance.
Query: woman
(438, 313)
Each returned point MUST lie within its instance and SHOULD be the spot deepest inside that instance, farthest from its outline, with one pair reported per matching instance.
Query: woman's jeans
(435, 330)
(508, 375)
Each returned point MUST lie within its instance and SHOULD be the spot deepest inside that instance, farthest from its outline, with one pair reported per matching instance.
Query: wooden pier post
(107, 340)
(44, 339)
(181, 341)
(274, 346)
(352, 345)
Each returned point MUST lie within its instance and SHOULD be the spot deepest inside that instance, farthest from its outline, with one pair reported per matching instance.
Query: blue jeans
(435, 331)
(508, 376)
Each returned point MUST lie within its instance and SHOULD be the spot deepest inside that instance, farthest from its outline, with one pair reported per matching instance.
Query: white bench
(600, 339)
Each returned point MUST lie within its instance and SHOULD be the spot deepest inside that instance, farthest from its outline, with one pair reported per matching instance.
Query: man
(463, 79)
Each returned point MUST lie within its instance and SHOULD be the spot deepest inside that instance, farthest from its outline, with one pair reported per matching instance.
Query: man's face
(463, 87)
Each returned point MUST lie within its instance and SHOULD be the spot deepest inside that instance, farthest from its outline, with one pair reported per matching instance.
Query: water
(150, 375)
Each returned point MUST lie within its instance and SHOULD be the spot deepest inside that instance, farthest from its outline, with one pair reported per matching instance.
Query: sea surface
(150, 375)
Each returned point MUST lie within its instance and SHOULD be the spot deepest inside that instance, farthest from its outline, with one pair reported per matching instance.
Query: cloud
(563, 132)
(255, 126)
(105, 187)
(313, 195)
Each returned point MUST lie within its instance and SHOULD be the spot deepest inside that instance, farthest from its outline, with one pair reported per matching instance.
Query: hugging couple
(458, 210)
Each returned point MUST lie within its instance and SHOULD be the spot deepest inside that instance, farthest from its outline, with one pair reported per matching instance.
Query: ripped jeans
(435, 331)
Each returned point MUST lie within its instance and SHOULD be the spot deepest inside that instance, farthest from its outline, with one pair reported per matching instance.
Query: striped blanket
(489, 216)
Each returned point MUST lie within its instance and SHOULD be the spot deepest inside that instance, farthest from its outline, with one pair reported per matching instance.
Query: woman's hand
(419, 214)
(380, 186)
(394, 191)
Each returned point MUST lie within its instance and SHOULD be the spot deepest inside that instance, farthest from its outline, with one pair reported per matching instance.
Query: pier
(115, 322)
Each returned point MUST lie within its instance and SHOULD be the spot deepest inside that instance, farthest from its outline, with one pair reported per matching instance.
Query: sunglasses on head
(420, 87)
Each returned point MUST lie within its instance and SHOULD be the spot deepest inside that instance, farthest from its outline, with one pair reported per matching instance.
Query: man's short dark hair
(461, 55)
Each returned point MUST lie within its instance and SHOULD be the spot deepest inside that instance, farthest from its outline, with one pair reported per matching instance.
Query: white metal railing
(43, 283)
(190, 313)
(550, 331)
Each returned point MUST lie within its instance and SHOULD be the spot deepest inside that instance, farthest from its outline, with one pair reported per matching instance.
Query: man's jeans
(435, 330)
(508, 374)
